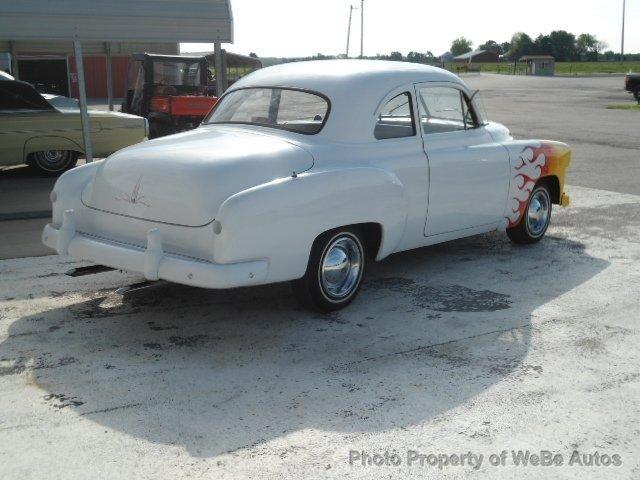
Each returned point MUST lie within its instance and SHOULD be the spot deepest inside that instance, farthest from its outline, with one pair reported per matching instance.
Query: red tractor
(173, 92)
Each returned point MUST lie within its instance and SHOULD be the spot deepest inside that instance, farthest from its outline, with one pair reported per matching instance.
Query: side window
(396, 119)
(445, 109)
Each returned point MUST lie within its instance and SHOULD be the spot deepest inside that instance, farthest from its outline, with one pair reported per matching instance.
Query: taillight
(160, 104)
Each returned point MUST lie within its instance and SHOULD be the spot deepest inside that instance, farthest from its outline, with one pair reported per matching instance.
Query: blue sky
(306, 27)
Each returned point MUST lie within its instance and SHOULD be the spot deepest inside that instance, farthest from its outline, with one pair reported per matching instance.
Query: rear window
(15, 95)
(294, 110)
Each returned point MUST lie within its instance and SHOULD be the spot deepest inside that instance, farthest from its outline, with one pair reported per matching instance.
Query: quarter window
(396, 119)
(445, 109)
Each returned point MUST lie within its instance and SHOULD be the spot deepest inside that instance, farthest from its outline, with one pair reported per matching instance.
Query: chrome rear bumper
(151, 261)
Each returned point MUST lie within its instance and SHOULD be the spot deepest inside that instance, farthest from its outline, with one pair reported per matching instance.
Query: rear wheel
(535, 220)
(53, 162)
(334, 272)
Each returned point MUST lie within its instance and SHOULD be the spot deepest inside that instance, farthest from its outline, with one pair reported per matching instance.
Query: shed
(85, 22)
(50, 65)
(541, 65)
(478, 56)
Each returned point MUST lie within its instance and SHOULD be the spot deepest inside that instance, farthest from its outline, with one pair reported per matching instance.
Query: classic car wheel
(53, 162)
(334, 273)
(535, 220)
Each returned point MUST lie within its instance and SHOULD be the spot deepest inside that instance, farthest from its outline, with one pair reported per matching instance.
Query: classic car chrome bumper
(151, 261)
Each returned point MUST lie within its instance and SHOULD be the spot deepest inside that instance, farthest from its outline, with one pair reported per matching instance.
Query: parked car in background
(305, 172)
(49, 139)
(632, 84)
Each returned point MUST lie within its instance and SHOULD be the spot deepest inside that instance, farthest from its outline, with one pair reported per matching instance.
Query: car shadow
(217, 371)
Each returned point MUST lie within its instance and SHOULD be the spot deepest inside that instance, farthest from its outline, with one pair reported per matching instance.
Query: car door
(468, 170)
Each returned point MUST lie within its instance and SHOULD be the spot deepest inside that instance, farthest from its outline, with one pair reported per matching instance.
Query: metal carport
(148, 21)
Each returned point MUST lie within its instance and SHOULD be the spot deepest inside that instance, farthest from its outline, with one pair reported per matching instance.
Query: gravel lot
(472, 347)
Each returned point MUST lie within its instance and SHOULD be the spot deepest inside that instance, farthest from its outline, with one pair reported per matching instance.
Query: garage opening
(46, 75)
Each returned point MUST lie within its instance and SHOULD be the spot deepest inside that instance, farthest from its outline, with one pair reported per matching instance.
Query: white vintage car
(305, 172)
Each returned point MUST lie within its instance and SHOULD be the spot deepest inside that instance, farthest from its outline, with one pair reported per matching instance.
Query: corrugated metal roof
(468, 55)
(34, 48)
(118, 20)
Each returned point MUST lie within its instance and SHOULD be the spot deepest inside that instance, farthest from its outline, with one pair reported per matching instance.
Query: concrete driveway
(476, 346)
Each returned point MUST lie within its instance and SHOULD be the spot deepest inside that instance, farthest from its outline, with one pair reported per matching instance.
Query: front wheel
(53, 162)
(536, 218)
(334, 272)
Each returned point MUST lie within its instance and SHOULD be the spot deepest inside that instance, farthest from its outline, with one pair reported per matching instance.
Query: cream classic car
(306, 172)
(46, 132)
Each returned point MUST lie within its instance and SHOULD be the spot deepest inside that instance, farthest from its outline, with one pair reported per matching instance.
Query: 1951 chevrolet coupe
(305, 172)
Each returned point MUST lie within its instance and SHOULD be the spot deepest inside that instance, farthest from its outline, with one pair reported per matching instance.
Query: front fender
(280, 220)
(532, 160)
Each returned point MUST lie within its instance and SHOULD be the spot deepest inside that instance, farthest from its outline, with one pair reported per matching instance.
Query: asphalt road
(606, 143)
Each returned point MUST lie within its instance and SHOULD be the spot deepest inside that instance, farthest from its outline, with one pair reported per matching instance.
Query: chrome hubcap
(52, 159)
(341, 267)
(53, 156)
(538, 213)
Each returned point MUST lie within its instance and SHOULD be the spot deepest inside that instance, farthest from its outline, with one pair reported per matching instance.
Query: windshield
(293, 110)
(178, 74)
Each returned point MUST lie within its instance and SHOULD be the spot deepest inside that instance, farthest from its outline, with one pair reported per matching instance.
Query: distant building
(446, 57)
(541, 65)
(478, 56)
(51, 67)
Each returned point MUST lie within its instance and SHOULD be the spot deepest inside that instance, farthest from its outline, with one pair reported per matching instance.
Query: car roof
(329, 76)
(355, 88)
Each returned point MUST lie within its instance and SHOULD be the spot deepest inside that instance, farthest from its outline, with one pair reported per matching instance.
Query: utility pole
(361, 28)
(351, 9)
(624, 12)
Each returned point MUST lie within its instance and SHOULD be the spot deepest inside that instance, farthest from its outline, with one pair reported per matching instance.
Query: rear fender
(280, 220)
(531, 161)
(68, 189)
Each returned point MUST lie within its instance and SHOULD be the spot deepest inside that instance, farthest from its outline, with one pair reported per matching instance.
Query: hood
(183, 179)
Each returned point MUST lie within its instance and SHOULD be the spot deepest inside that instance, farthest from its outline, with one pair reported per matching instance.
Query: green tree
(589, 47)
(521, 44)
(396, 56)
(543, 45)
(460, 46)
(563, 46)
(417, 57)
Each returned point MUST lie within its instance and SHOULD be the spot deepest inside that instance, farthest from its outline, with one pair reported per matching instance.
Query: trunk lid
(183, 179)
